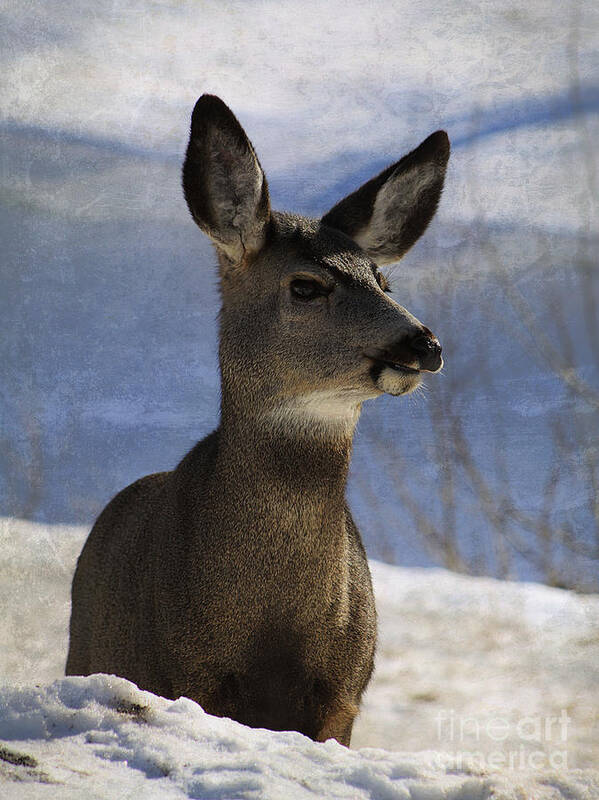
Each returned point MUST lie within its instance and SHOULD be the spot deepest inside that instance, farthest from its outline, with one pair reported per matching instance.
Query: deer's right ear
(224, 185)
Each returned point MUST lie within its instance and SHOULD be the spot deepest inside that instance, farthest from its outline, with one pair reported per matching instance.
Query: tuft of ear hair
(223, 182)
(390, 212)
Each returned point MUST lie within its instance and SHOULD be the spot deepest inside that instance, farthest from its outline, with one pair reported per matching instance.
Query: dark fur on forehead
(320, 244)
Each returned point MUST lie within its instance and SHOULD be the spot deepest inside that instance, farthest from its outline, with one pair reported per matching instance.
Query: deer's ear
(224, 185)
(389, 213)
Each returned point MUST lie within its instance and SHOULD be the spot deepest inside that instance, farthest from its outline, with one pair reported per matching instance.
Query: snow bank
(101, 737)
(469, 672)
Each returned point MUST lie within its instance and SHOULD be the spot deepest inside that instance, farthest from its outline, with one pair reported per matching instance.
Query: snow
(469, 671)
(102, 737)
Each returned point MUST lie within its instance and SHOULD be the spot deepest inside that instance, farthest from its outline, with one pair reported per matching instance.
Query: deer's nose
(418, 352)
(427, 350)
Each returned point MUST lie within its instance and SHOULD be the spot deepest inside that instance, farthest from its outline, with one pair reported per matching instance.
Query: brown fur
(239, 579)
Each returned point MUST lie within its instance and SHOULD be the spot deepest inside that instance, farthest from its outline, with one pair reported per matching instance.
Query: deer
(239, 579)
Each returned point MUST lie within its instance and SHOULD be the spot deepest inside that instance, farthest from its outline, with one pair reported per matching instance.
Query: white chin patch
(391, 381)
(336, 409)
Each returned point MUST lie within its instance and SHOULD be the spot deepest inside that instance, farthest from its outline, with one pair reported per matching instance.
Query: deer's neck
(284, 471)
(303, 446)
(266, 494)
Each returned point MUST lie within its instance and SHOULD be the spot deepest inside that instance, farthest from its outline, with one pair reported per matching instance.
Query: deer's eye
(305, 289)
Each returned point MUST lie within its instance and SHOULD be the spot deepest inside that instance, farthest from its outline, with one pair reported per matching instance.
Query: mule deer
(239, 579)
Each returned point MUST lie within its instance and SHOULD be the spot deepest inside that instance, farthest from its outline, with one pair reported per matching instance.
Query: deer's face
(309, 321)
(305, 318)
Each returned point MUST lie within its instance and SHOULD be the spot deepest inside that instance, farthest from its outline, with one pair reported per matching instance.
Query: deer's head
(306, 321)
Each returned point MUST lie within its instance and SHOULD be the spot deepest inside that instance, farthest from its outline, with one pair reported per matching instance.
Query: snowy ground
(482, 689)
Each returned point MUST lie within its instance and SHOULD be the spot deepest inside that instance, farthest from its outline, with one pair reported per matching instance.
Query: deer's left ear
(389, 213)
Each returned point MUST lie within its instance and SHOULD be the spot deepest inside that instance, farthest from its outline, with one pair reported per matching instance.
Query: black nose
(428, 351)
